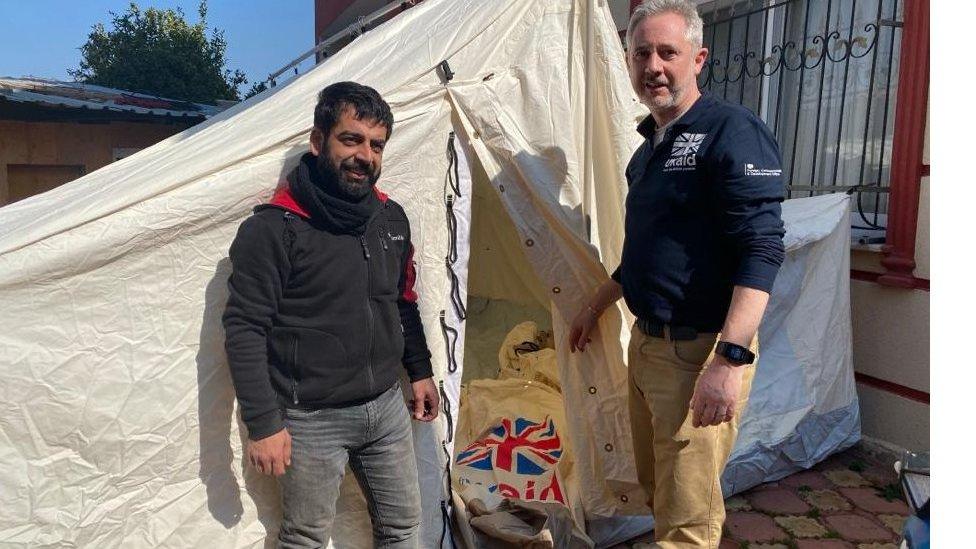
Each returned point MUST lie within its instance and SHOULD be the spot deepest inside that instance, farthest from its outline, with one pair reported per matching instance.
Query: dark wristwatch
(736, 354)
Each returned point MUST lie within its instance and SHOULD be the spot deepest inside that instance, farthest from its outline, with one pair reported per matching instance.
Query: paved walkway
(851, 500)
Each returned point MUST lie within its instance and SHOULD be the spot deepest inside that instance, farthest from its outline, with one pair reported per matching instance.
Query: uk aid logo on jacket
(683, 152)
(515, 459)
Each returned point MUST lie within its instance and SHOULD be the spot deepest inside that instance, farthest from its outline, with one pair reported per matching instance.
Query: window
(823, 75)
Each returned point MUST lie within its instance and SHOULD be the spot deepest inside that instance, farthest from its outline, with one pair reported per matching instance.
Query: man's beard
(668, 101)
(336, 179)
(665, 102)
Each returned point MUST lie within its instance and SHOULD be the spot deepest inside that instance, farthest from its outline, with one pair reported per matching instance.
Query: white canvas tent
(118, 425)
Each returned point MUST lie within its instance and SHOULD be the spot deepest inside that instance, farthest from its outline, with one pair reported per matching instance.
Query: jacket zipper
(294, 370)
(289, 244)
(369, 315)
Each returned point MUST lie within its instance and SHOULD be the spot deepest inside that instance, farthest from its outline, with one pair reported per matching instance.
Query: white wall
(891, 333)
(894, 419)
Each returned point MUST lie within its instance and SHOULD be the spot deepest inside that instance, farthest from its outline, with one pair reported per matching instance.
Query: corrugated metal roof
(74, 95)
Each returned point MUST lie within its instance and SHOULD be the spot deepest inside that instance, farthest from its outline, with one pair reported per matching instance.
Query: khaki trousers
(680, 466)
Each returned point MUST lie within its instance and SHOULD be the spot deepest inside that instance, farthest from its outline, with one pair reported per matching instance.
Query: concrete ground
(852, 500)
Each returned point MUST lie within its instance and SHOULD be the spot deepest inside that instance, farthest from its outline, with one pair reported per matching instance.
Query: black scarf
(321, 197)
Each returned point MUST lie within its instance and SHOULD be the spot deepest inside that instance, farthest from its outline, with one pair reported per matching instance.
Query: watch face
(735, 353)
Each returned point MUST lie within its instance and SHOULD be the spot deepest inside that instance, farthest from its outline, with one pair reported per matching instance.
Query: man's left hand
(716, 393)
(426, 400)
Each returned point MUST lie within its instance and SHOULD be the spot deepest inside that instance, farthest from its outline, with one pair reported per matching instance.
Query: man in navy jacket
(322, 315)
(702, 246)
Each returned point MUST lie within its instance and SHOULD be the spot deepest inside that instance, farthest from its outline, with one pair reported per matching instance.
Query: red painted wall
(327, 11)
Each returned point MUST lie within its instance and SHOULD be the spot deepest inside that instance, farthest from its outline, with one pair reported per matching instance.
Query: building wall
(620, 9)
(922, 236)
(56, 149)
(891, 341)
(893, 419)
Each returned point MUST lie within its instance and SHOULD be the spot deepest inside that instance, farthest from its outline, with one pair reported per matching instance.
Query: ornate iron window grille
(823, 75)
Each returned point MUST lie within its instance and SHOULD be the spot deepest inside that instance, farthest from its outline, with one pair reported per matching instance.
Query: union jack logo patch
(523, 447)
(687, 143)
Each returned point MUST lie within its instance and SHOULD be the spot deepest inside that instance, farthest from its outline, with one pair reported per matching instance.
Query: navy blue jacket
(703, 215)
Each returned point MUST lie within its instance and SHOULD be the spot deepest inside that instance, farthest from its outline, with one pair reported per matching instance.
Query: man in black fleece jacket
(321, 315)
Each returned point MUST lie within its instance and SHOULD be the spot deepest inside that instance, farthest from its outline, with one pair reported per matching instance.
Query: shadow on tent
(216, 416)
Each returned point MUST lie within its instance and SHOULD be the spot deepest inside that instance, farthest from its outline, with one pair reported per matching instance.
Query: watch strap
(736, 354)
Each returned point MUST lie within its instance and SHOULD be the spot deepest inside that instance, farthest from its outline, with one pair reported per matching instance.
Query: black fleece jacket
(318, 318)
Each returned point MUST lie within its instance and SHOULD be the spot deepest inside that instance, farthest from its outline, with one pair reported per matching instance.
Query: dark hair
(366, 101)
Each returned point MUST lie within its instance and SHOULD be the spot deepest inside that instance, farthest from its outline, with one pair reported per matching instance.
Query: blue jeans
(375, 440)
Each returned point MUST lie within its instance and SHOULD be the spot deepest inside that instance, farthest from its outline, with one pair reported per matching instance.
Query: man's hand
(426, 400)
(586, 320)
(716, 393)
(580, 328)
(271, 455)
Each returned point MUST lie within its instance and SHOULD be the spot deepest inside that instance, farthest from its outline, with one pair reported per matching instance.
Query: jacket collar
(283, 199)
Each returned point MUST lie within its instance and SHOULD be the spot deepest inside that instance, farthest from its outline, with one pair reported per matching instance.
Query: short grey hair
(684, 8)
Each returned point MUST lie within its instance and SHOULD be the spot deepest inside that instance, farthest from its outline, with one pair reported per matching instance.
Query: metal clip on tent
(446, 406)
(452, 190)
(453, 185)
(453, 175)
(456, 300)
(446, 71)
(452, 253)
(450, 341)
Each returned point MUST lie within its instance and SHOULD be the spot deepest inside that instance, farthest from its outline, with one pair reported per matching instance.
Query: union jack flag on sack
(517, 458)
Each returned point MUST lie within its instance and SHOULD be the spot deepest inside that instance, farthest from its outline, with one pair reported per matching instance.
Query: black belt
(653, 328)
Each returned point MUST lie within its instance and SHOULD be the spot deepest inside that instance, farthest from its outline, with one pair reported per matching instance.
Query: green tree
(256, 88)
(157, 52)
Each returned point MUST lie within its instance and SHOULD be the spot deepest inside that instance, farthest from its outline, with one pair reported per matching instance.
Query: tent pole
(356, 27)
(588, 71)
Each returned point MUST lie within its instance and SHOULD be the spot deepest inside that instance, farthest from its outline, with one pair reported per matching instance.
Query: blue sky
(42, 37)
